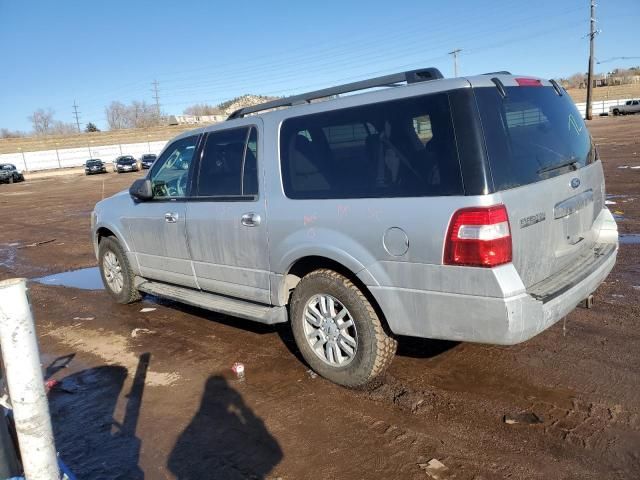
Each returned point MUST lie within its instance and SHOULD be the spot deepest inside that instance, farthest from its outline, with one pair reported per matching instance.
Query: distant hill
(613, 92)
(243, 101)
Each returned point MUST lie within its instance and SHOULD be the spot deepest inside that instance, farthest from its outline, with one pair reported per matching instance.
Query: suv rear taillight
(479, 237)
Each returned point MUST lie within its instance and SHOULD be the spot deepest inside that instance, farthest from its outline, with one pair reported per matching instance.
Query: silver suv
(468, 209)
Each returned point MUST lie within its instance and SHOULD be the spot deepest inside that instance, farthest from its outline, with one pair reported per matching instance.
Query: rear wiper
(569, 163)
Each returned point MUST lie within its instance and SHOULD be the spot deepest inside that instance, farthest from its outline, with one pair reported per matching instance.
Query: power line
(616, 58)
(592, 35)
(76, 114)
(455, 60)
(394, 68)
(228, 74)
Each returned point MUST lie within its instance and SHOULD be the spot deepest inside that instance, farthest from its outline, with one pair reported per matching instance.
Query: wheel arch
(309, 263)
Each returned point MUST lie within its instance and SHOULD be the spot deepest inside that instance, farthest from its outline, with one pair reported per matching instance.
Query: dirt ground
(151, 394)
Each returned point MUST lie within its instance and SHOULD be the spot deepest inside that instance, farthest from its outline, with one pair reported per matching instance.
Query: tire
(110, 248)
(616, 112)
(374, 349)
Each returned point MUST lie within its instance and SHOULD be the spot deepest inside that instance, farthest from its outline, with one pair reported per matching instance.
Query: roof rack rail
(412, 76)
(501, 72)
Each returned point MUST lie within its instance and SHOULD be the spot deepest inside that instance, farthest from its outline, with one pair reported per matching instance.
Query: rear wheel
(117, 276)
(338, 331)
(616, 112)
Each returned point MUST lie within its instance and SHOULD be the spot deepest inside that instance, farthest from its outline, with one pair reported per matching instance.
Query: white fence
(600, 106)
(74, 157)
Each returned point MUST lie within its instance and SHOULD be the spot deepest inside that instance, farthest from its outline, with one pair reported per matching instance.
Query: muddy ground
(151, 394)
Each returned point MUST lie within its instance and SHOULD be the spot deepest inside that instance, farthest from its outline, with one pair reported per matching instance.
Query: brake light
(479, 237)
(528, 82)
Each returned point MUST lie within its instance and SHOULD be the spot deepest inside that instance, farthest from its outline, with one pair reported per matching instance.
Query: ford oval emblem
(575, 182)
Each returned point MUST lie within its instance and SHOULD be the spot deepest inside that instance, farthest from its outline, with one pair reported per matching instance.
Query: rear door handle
(251, 219)
(170, 217)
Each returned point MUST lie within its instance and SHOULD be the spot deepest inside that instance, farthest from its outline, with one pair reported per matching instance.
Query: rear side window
(401, 148)
(229, 164)
(532, 134)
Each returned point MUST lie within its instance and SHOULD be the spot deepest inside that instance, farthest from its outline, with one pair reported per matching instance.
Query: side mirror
(141, 190)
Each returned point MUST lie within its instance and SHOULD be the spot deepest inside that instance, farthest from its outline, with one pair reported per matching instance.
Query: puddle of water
(8, 255)
(84, 278)
(629, 238)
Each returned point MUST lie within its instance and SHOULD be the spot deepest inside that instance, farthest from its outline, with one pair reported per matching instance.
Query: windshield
(94, 162)
(532, 134)
(126, 160)
(6, 167)
(148, 157)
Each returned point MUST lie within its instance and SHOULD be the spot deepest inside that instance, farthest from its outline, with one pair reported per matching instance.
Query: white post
(24, 380)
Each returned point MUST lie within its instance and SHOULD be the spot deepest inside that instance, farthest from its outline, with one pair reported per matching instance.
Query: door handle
(170, 217)
(251, 219)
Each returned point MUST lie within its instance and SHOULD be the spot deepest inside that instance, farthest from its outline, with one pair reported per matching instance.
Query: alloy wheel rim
(330, 330)
(113, 272)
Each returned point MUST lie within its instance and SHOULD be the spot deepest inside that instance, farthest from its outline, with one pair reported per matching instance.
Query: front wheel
(616, 112)
(338, 331)
(117, 276)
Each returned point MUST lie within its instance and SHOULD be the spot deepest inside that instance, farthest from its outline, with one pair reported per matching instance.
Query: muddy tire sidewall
(128, 293)
(374, 349)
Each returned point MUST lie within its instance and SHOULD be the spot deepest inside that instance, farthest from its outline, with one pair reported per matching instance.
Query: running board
(215, 303)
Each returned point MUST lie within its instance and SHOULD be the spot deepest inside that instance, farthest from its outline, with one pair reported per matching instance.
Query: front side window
(399, 148)
(229, 164)
(169, 175)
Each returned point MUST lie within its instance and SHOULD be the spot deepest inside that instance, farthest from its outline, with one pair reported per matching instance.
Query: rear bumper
(484, 319)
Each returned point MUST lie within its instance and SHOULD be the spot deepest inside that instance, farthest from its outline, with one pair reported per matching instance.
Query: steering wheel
(178, 187)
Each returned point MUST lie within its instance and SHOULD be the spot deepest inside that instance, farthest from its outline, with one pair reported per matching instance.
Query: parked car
(146, 160)
(629, 107)
(461, 209)
(94, 165)
(125, 163)
(10, 174)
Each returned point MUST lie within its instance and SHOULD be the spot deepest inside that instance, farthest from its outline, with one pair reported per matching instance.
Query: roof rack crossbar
(411, 76)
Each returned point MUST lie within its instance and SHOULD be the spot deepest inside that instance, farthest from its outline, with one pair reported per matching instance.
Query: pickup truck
(630, 106)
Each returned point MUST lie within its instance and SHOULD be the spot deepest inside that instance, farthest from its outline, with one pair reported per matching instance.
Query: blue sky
(96, 52)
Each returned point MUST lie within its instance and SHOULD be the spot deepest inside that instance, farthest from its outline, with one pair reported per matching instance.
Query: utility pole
(77, 115)
(592, 34)
(156, 97)
(455, 60)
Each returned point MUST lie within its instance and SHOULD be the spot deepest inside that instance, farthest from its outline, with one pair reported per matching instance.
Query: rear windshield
(400, 148)
(532, 134)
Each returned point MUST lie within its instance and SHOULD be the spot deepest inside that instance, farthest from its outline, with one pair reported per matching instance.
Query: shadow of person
(90, 441)
(224, 440)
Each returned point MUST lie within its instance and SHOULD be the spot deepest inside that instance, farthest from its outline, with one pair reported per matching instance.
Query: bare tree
(117, 115)
(41, 120)
(6, 133)
(577, 80)
(137, 115)
(61, 128)
(142, 114)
